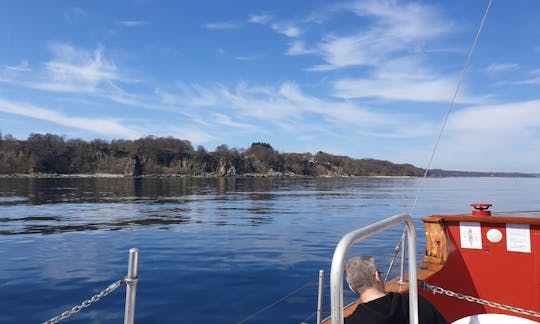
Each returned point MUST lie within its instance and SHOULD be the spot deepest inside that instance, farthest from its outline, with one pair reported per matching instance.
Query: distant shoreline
(251, 175)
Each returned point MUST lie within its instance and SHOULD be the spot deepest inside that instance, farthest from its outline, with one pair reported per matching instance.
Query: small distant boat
(477, 268)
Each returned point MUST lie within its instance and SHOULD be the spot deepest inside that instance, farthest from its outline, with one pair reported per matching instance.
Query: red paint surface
(481, 209)
(492, 273)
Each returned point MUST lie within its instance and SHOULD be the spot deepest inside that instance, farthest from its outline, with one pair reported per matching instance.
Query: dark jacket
(394, 308)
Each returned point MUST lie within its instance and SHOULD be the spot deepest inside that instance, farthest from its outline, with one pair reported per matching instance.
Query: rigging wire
(276, 302)
(443, 127)
(451, 107)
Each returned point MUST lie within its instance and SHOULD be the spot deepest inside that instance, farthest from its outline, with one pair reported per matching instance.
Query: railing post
(321, 295)
(131, 286)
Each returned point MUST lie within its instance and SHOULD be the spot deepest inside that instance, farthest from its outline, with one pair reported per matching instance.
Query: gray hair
(360, 271)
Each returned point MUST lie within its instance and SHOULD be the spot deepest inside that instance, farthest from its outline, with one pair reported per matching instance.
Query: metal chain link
(442, 291)
(87, 302)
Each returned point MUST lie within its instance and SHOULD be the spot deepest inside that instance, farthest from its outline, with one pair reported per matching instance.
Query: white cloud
(514, 118)
(223, 25)
(248, 57)
(260, 19)
(287, 29)
(535, 79)
(397, 28)
(528, 81)
(403, 79)
(408, 21)
(193, 134)
(72, 66)
(225, 120)
(188, 96)
(109, 127)
(339, 52)
(298, 48)
(133, 23)
(285, 106)
(75, 71)
(501, 137)
(435, 90)
(502, 67)
(21, 67)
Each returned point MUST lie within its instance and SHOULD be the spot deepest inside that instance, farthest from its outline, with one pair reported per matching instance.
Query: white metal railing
(320, 297)
(340, 258)
(131, 286)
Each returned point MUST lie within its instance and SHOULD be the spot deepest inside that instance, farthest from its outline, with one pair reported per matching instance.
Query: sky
(365, 79)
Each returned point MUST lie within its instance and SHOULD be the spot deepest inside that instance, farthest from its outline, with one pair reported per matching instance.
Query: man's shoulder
(427, 312)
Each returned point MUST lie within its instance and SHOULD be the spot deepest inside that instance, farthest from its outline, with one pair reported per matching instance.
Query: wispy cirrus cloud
(389, 46)
(260, 19)
(404, 79)
(395, 28)
(530, 78)
(74, 71)
(298, 48)
(133, 23)
(501, 67)
(23, 66)
(102, 126)
(228, 121)
(287, 28)
(76, 66)
(429, 90)
(194, 134)
(249, 57)
(284, 106)
(221, 25)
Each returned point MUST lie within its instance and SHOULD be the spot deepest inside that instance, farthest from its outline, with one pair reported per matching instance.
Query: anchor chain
(87, 302)
(442, 291)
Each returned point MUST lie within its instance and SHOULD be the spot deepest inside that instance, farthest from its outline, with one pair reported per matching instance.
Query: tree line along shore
(45, 155)
(49, 154)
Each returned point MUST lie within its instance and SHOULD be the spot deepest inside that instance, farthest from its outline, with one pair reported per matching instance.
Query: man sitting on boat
(379, 307)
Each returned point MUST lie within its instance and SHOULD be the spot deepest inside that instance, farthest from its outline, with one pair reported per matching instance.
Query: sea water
(218, 250)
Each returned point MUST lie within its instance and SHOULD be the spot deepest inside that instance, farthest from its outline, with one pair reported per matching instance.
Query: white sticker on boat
(470, 235)
(518, 238)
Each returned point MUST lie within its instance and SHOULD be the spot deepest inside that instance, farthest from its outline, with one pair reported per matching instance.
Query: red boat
(477, 268)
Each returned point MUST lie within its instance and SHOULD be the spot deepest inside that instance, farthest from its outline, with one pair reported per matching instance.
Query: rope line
(276, 302)
(326, 308)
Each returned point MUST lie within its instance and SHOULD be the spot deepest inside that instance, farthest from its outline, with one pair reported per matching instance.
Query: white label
(518, 238)
(470, 235)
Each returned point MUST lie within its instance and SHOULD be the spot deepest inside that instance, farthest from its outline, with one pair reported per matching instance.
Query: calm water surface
(211, 250)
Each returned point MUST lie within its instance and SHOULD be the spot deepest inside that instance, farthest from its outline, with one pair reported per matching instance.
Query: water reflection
(60, 205)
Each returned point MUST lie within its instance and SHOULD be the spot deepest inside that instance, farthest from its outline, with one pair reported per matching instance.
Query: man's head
(362, 274)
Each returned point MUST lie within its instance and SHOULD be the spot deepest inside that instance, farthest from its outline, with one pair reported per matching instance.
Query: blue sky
(366, 79)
